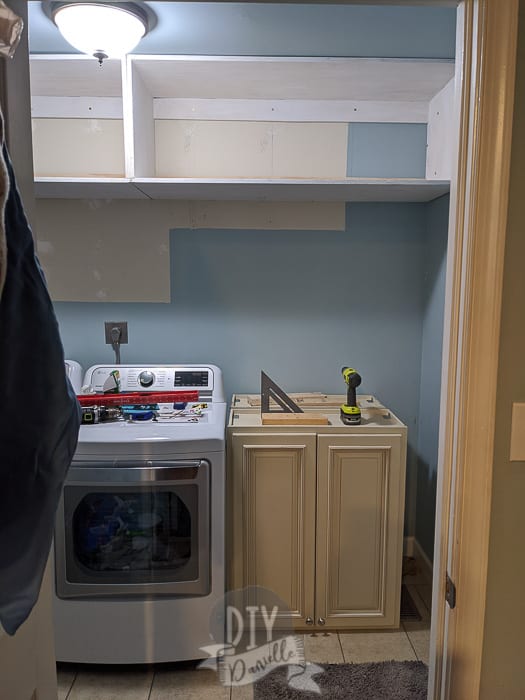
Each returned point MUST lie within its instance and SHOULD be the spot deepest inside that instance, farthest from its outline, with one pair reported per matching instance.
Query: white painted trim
(61, 57)
(140, 102)
(440, 133)
(272, 59)
(412, 548)
(76, 107)
(129, 124)
(408, 546)
(447, 422)
(420, 555)
(290, 189)
(291, 110)
(277, 190)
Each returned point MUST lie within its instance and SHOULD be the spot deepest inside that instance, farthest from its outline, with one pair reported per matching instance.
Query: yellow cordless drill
(350, 411)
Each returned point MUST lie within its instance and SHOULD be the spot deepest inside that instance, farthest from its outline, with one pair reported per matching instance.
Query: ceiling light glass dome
(100, 29)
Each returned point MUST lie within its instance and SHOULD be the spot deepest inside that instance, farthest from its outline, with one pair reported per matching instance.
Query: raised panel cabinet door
(273, 494)
(360, 505)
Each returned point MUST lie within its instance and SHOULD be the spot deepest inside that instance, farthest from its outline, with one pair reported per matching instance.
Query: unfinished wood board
(294, 419)
(307, 400)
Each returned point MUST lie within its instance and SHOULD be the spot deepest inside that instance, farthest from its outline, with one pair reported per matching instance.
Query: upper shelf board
(75, 76)
(289, 190)
(238, 77)
(241, 77)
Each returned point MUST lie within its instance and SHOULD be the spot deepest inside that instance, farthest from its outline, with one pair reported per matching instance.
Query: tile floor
(184, 680)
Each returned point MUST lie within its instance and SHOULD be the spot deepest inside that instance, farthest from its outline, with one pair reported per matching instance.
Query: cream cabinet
(316, 516)
(273, 477)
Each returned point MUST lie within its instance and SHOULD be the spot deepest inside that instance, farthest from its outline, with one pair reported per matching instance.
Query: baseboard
(423, 559)
(412, 548)
(409, 546)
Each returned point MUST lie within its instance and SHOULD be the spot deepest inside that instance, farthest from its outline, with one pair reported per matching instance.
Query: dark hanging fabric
(39, 417)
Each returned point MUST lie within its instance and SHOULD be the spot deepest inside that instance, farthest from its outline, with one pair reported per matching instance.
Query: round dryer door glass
(146, 535)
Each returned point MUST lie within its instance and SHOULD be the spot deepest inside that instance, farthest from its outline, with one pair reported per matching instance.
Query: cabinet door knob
(309, 620)
(321, 621)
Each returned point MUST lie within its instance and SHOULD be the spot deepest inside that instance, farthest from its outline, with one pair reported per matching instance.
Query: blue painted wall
(281, 29)
(434, 270)
(300, 305)
(386, 150)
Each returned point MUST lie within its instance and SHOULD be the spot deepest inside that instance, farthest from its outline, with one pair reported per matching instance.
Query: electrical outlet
(123, 325)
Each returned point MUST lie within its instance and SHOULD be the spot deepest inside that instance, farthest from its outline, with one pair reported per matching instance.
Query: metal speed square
(289, 413)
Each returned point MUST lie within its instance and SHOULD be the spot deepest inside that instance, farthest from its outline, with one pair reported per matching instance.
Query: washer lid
(155, 437)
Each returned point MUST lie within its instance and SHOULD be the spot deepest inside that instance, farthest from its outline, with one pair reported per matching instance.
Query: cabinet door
(361, 484)
(272, 490)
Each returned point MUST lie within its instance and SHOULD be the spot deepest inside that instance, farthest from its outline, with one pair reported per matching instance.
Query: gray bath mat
(387, 680)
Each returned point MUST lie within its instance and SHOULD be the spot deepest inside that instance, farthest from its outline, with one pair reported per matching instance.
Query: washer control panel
(196, 378)
(207, 379)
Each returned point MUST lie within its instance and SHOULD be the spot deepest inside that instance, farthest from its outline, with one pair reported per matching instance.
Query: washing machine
(74, 374)
(139, 541)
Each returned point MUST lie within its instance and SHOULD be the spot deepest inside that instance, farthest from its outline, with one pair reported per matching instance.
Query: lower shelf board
(277, 190)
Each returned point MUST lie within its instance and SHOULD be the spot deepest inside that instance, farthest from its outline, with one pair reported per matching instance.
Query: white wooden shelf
(277, 190)
(86, 188)
(242, 128)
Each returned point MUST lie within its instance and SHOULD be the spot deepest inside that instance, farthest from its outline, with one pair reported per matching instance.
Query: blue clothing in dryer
(39, 419)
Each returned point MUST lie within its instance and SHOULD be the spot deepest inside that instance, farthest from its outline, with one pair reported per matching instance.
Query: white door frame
(479, 194)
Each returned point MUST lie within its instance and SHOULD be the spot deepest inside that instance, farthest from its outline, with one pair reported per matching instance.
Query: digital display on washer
(191, 378)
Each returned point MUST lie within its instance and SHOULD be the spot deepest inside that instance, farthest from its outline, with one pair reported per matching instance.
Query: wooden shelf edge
(86, 188)
(346, 190)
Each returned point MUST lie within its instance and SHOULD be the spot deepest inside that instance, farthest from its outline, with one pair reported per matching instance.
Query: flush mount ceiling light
(101, 29)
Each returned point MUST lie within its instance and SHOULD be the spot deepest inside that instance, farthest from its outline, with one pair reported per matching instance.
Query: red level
(137, 397)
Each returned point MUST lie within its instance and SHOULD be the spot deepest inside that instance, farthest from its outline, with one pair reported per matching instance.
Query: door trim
(471, 344)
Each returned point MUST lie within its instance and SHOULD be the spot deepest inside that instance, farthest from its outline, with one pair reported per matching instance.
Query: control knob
(146, 378)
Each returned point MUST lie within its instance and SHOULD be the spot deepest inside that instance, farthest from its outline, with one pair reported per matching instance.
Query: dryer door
(130, 529)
